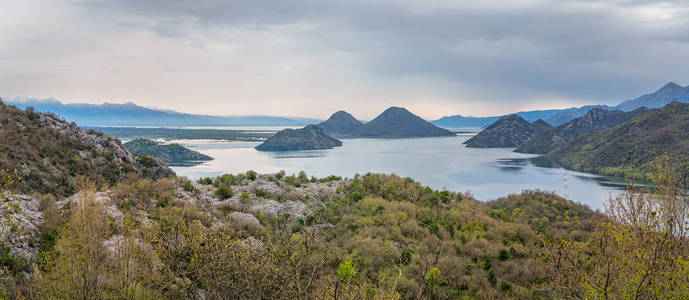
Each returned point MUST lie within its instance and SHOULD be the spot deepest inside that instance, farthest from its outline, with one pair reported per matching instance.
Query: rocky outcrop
(311, 137)
(508, 131)
(22, 211)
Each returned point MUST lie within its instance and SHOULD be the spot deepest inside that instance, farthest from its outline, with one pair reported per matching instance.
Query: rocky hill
(311, 137)
(633, 144)
(508, 131)
(171, 153)
(397, 122)
(341, 124)
(596, 119)
(52, 155)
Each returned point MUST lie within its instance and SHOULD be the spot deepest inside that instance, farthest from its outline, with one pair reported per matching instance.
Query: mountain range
(394, 122)
(634, 144)
(130, 114)
(670, 92)
(459, 121)
(597, 119)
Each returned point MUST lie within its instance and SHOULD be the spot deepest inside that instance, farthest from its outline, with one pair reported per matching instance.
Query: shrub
(251, 175)
(261, 193)
(504, 285)
(147, 161)
(223, 192)
(504, 254)
(189, 187)
(205, 181)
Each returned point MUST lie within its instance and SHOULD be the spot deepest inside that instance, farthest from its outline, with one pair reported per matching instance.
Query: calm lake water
(442, 163)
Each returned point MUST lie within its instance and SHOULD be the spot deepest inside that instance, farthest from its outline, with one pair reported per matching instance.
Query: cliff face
(311, 137)
(508, 131)
(53, 156)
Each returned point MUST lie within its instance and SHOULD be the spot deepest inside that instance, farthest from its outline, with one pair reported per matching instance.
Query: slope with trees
(630, 148)
(53, 156)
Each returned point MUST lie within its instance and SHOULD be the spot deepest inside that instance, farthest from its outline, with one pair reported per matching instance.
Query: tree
(639, 251)
(77, 271)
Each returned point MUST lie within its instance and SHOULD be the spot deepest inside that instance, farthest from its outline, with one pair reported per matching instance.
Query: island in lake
(169, 154)
(311, 137)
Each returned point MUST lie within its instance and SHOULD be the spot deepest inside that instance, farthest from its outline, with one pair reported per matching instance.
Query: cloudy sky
(310, 58)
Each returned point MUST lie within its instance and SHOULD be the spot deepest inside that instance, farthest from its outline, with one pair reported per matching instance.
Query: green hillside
(631, 145)
(53, 156)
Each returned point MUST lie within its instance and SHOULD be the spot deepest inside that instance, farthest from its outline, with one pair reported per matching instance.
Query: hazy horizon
(310, 59)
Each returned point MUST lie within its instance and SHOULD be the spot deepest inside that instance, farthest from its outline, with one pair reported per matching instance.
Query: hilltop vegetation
(171, 153)
(53, 156)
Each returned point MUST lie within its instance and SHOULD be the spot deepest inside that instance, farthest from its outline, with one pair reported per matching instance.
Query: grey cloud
(582, 49)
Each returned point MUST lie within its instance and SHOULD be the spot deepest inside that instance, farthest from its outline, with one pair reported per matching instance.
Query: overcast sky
(311, 58)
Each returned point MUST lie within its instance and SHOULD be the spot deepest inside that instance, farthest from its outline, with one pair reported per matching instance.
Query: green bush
(189, 187)
(205, 181)
(223, 192)
(261, 193)
(504, 286)
(147, 161)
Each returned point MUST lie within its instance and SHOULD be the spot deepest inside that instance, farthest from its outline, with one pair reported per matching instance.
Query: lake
(440, 162)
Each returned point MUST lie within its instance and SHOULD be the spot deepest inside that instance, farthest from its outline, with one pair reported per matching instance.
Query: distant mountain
(341, 124)
(566, 116)
(311, 137)
(54, 156)
(398, 122)
(458, 121)
(508, 131)
(671, 92)
(171, 153)
(631, 145)
(130, 114)
(596, 119)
